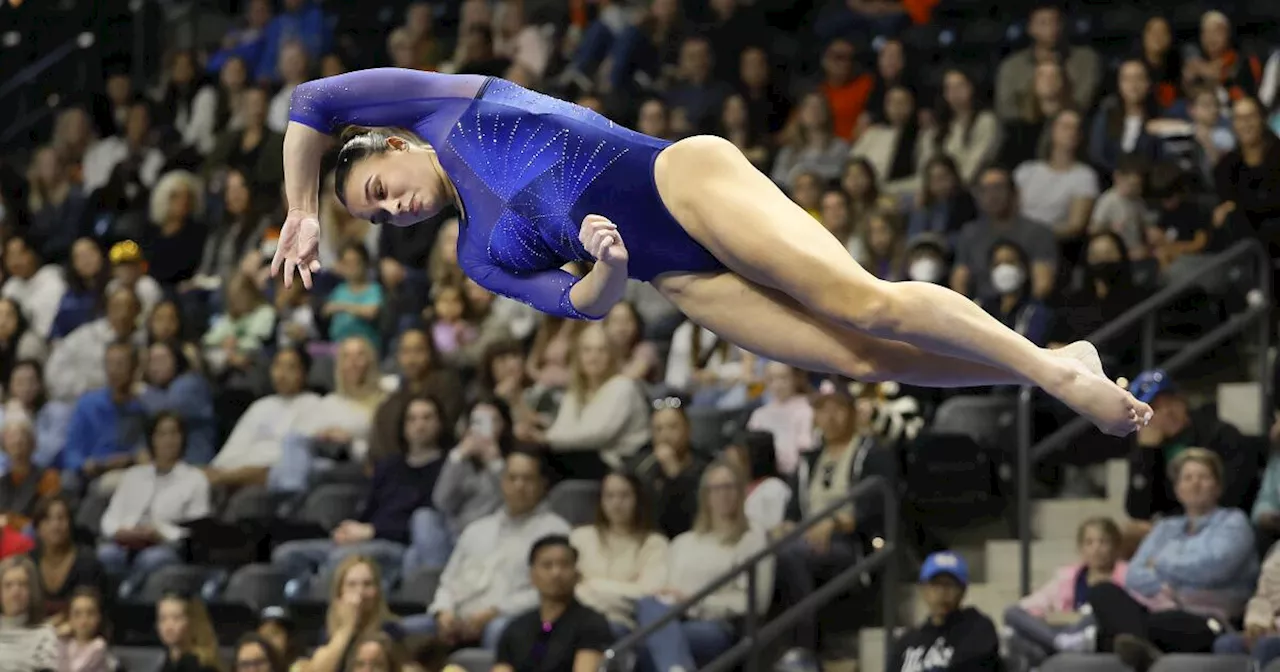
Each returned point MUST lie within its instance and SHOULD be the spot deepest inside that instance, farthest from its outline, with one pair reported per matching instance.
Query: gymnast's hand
(299, 248)
(602, 240)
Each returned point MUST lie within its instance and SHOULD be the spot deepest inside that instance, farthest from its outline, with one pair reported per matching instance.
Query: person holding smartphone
(469, 486)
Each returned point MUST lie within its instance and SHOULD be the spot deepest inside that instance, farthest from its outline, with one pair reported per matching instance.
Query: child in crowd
(450, 328)
(1121, 209)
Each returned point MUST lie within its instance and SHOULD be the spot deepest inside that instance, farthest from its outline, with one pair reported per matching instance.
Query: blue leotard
(528, 168)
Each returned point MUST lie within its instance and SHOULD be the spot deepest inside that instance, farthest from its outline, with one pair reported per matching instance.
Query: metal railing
(1257, 314)
(29, 108)
(755, 636)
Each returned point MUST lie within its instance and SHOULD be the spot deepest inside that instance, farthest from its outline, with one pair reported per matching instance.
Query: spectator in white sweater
(142, 522)
(620, 557)
(486, 582)
(604, 417)
(37, 288)
(721, 538)
(254, 444)
(76, 364)
(27, 642)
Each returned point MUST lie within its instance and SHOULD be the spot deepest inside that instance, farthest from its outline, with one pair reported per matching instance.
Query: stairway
(994, 564)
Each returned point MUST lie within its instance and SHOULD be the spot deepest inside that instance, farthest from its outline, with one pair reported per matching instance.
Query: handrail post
(889, 578)
(1024, 489)
(753, 655)
(1149, 341)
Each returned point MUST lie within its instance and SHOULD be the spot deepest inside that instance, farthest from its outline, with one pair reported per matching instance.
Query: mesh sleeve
(377, 97)
(546, 291)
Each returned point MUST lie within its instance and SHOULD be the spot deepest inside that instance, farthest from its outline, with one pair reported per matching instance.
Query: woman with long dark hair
(1120, 124)
(87, 276)
(768, 495)
(469, 486)
(963, 131)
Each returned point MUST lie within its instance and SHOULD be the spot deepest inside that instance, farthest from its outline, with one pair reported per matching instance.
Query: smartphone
(482, 424)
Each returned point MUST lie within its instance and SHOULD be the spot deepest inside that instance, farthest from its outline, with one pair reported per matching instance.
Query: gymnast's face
(401, 186)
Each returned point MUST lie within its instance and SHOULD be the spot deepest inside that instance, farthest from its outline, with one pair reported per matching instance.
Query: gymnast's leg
(775, 326)
(755, 230)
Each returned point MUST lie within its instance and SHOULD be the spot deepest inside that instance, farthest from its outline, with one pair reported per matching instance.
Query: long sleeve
(377, 97)
(596, 425)
(118, 515)
(202, 122)
(195, 507)
(79, 439)
(1268, 500)
(1098, 153)
(1142, 577)
(445, 598)
(547, 291)
(984, 142)
(1262, 608)
(731, 600)
(69, 368)
(1044, 599)
(454, 487)
(1215, 555)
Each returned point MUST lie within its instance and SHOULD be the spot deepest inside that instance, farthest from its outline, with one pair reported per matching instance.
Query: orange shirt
(920, 11)
(848, 101)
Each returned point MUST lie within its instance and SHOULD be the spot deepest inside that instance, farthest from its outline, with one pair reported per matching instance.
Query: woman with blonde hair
(376, 652)
(186, 632)
(174, 244)
(810, 143)
(721, 538)
(603, 418)
(345, 416)
(357, 610)
(27, 643)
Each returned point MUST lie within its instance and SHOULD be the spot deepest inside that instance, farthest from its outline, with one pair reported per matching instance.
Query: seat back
(330, 504)
(472, 660)
(256, 586)
(184, 579)
(138, 658)
(575, 501)
(1202, 663)
(1084, 662)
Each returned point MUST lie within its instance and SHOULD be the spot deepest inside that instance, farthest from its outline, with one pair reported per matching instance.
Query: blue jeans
(688, 644)
(1264, 651)
(115, 559)
(306, 556)
(425, 624)
(430, 541)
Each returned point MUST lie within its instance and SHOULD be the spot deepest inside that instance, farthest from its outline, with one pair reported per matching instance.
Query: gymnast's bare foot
(1107, 405)
(1084, 352)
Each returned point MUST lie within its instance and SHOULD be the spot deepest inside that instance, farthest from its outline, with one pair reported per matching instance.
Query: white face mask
(925, 269)
(1007, 278)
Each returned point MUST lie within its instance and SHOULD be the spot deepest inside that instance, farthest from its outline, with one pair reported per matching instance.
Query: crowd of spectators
(150, 364)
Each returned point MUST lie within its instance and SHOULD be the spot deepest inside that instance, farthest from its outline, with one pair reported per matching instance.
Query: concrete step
(1004, 561)
(1057, 519)
(1238, 404)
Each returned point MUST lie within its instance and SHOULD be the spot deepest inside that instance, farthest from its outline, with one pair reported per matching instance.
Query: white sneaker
(1083, 641)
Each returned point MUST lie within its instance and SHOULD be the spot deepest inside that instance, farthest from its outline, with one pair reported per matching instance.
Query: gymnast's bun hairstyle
(359, 143)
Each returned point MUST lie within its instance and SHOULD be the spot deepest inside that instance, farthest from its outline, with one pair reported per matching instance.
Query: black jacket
(965, 642)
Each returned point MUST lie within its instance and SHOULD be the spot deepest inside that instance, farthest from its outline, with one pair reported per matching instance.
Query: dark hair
(96, 286)
(539, 458)
(946, 116)
(303, 357)
(1114, 107)
(445, 439)
(42, 396)
(127, 347)
(761, 454)
(642, 519)
(506, 438)
(360, 250)
(1104, 524)
(180, 363)
(358, 144)
(551, 541)
(496, 349)
(939, 159)
(1167, 179)
(153, 424)
(274, 658)
(44, 509)
(1012, 244)
(27, 244)
(177, 311)
(1133, 164)
(92, 593)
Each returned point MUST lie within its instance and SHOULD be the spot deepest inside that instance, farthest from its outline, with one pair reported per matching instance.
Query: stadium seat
(575, 501)
(250, 503)
(985, 419)
(1084, 662)
(257, 586)
(331, 504)
(472, 660)
(138, 658)
(89, 511)
(352, 473)
(711, 428)
(1202, 663)
(184, 579)
(420, 586)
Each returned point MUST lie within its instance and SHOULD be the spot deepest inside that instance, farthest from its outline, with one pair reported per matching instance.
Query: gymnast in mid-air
(541, 183)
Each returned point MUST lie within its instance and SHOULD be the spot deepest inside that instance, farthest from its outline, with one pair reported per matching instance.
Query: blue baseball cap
(945, 562)
(1151, 384)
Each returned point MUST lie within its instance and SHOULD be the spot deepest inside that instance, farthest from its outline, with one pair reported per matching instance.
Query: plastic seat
(250, 503)
(985, 419)
(256, 586)
(1084, 662)
(575, 501)
(138, 658)
(472, 660)
(329, 505)
(183, 579)
(1202, 663)
(420, 586)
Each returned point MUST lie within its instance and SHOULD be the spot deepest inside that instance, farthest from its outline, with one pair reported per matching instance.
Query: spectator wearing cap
(278, 629)
(1196, 569)
(37, 287)
(255, 443)
(846, 454)
(487, 581)
(943, 205)
(952, 637)
(669, 468)
(997, 201)
(141, 527)
(1175, 429)
(786, 414)
(1016, 73)
(129, 271)
(928, 259)
(106, 430)
(561, 634)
